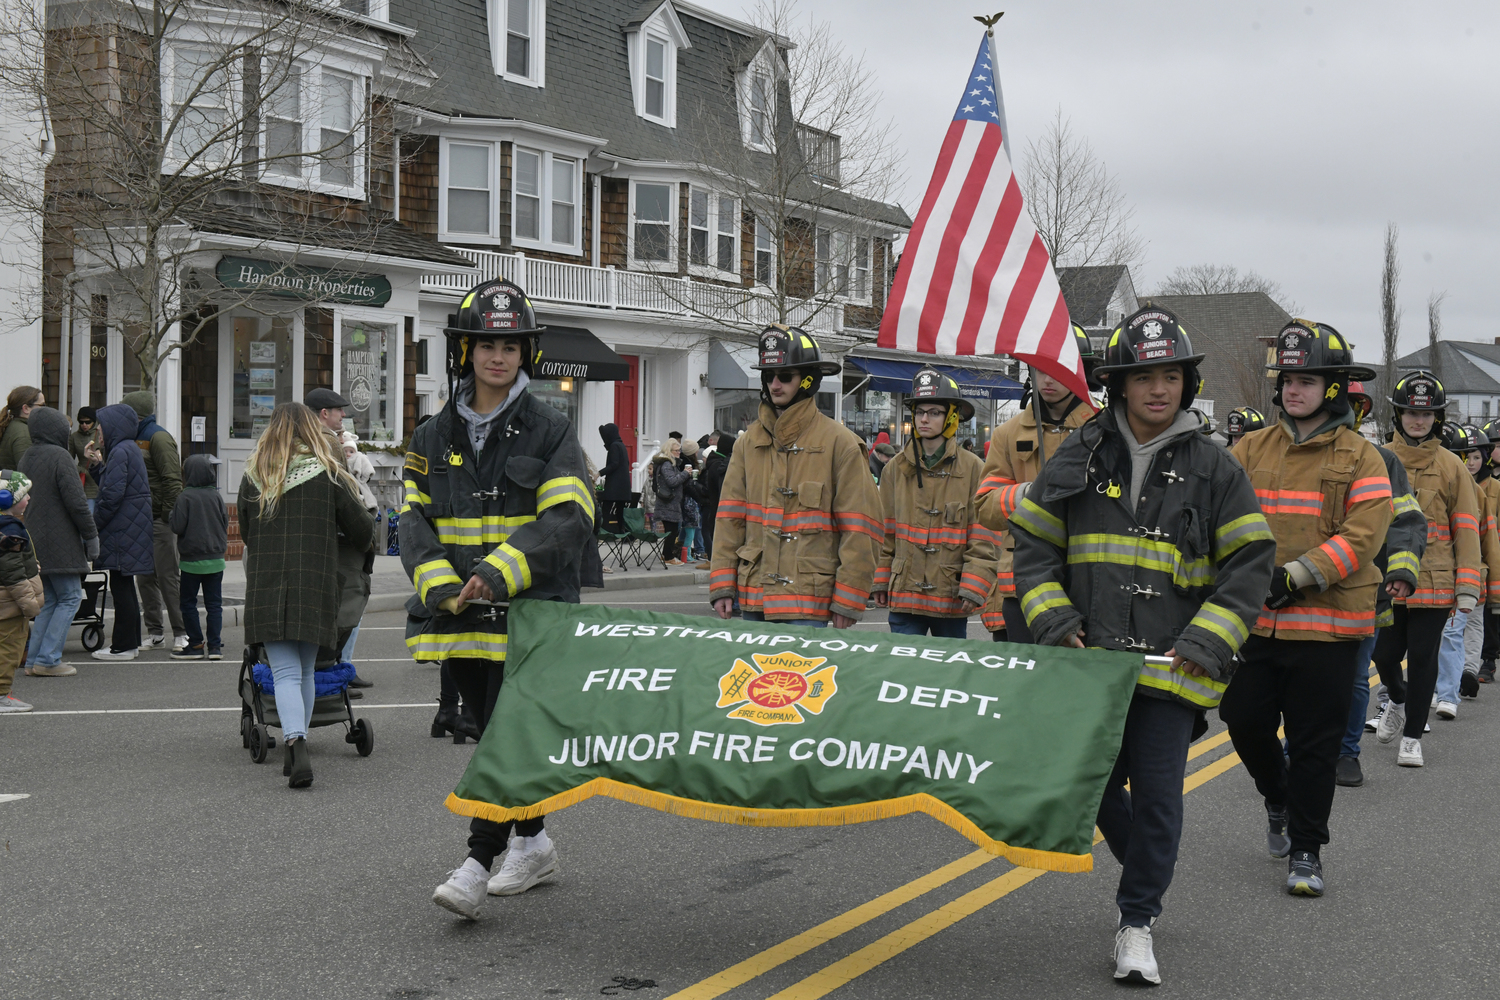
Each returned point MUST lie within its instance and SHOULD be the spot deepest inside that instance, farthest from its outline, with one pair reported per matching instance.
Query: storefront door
(627, 406)
(260, 367)
(368, 374)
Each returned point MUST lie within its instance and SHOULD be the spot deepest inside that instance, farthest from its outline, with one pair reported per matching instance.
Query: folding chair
(617, 545)
(635, 522)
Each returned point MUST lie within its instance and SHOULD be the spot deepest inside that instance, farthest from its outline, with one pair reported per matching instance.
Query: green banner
(767, 724)
(298, 281)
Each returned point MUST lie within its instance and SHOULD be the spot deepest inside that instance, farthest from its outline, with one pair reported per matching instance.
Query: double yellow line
(847, 969)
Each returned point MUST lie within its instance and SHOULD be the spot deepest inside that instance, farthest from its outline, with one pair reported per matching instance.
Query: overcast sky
(1276, 137)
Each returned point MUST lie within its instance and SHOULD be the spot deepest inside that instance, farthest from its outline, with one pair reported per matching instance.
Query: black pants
(127, 630)
(1491, 648)
(1306, 686)
(1015, 622)
(614, 516)
(706, 529)
(671, 543)
(479, 682)
(1143, 827)
(1415, 635)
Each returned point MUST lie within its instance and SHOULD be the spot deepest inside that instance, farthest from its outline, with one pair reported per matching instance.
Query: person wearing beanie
(64, 535)
(122, 512)
(20, 585)
(691, 463)
(201, 524)
(86, 445)
(164, 472)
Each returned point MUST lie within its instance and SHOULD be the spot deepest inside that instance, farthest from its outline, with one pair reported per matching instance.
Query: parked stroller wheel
(93, 637)
(363, 737)
(246, 721)
(260, 744)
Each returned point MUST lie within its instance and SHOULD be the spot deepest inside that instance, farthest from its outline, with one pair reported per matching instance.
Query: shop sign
(295, 281)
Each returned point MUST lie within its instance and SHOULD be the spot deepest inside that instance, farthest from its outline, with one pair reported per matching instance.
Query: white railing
(609, 288)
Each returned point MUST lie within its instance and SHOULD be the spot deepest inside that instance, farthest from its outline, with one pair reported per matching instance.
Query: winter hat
(142, 401)
(350, 439)
(689, 448)
(87, 413)
(14, 489)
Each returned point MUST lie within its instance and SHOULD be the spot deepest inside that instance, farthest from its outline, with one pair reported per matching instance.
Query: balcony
(608, 289)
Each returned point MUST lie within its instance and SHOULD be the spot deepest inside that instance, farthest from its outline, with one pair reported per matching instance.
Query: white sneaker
(109, 654)
(1447, 710)
(523, 869)
(179, 644)
(1372, 724)
(152, 641)
(1392, 721)
(1411, 752)
(59, 670)
(1134, 959)
(464, 890)
(10, 704)
(1434, 700)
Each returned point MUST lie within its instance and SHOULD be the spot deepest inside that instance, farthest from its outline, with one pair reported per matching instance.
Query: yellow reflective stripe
(487, 531)
(1042, 598)
(1223, 623)
(1040, 523)
(1406, 504)
(511, 562)
(1403, 560)
(433, 574)
(1241, 532)
(1385, 619)
(414, 495)
(1204, 692)
(468, 645)
(556, 491)
(1129, 550)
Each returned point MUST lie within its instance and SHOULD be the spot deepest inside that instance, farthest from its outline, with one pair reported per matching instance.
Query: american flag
(975, 277)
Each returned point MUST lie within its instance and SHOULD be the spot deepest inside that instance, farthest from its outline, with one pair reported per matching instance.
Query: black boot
(286, 759)
(466, 727)
(1468, 685)
(445, 720)
(301, 764)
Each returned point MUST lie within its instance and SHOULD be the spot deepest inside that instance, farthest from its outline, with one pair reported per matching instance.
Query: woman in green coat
(15, 436)
(294, 500)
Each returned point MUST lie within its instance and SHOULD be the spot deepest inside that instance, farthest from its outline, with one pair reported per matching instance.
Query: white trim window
(200, 94)
(651, 47)
(546, 192)
(713, 231)
(518, 33)
(468, 190)
(765, 255)
(653, 225)
(285, 125)
(313, 128)
(757, 86)
(341, 99)
(843, 265)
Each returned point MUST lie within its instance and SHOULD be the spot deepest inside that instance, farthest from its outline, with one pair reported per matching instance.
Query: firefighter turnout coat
(1328, 501)
(1013, 462)
(518, 516)
(799, 527)
(1400, 558)
(936, 554)
(1445, 491)
(1187, 569)
(1488, 490)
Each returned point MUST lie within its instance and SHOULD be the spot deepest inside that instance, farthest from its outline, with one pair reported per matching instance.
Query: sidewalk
(389, 587)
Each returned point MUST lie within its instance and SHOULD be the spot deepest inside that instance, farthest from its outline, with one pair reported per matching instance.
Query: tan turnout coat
(1445, 491)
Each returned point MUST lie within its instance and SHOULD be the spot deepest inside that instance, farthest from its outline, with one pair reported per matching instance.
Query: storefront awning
(896, 376)
(729, 367)
(573, 352)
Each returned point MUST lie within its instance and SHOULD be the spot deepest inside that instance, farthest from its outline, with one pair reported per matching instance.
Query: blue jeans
(1451, 656)
(1359, 705)
(903, 623)
(292, 665)
(213, 604)
(758, 616)
(346, 655)
(62, 594)
(689, 536)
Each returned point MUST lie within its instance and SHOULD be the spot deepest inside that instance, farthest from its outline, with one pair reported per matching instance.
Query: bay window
(713, 230)
(312, 127)
(652, 210)
(200, 91)
(469, 182)
(546, 192)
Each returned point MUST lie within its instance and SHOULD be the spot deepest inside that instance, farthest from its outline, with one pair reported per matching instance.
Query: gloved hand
(91, 549)
(450, 605)
(1465, 603)
(1283, 589)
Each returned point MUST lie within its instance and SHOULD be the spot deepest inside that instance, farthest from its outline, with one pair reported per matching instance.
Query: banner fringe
(864, 812)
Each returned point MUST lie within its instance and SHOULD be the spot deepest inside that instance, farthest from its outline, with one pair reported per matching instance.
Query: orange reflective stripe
(853, 520)
(1345, 560)
(922, 604)
(850, 595)
(882, 578)
(992, 482)
(1440, 597)
(1438, 532)
(1305, 619)
(1461, 520)
(1374, 488)
(1290, 502)
(993, 621)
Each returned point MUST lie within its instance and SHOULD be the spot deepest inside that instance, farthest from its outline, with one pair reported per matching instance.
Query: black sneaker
(359, 682)
(1347, 772)
(1277, 842)
(1305, 875)
(1487, 672)
(1468, 685)
(188, 653)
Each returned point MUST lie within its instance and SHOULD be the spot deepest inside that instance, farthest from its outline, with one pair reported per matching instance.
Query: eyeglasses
(932, 411)
(790, 377)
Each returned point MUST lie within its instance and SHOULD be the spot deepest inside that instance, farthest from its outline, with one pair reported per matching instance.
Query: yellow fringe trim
(833, 816)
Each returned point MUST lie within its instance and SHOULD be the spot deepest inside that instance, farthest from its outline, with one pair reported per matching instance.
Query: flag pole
(1036, 397)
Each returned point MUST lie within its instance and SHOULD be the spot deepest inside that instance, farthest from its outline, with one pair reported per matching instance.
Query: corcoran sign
(292, 281)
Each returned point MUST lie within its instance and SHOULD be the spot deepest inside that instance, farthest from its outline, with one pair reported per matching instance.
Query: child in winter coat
(20, 585)
(201, 524)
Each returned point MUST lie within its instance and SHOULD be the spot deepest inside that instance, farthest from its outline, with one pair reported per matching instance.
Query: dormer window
(518, 30)
(653, 43)
(757, 85)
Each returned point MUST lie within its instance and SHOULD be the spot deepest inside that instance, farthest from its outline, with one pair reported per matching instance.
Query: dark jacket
(1400, 557)
(670, 479)
(712, 480)
(1188, 568)
(14, 442)
(77, 441)
(21, 592)
(122, 510)
(616, 466)
(199, 519)
(517, 516)
(163, 464)
(291, 559)
(59, 513)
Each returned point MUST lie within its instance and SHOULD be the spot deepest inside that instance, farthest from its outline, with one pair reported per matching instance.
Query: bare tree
(1390, 321)
(1435, 331)
(1078, 207)
(157, 136)
(1219, 279)
(797, 147)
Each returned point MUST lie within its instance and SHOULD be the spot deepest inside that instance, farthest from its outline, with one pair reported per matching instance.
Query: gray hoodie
(1142, 454)
(58, 519)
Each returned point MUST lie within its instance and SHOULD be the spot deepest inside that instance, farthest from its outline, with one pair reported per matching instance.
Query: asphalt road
(152, 858)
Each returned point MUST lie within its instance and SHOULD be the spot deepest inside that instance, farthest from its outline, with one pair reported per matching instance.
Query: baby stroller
(90, 612)
(330, 705)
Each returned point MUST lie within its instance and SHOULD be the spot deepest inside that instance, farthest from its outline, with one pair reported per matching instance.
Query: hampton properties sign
(294, 281)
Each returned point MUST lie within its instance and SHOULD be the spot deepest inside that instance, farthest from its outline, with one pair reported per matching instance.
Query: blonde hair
(293, 431)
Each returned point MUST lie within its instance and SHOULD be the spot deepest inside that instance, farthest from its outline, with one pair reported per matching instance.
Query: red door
(626, 406)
